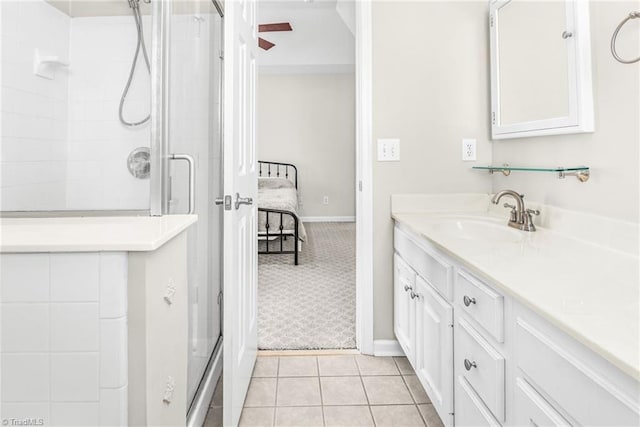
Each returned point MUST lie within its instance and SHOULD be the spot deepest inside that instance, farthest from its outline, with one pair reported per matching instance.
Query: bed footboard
(268, 235)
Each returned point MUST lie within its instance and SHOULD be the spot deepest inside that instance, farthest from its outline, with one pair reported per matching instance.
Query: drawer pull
(468, 301)
(468, 364)
(407, 288)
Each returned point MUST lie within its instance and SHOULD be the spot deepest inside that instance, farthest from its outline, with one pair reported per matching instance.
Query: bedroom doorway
(306, 141)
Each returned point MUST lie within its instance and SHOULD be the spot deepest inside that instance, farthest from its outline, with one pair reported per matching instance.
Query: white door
(240, 188)
(434, 348)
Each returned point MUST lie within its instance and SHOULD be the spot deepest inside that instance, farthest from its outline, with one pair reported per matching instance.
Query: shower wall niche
(63, 147)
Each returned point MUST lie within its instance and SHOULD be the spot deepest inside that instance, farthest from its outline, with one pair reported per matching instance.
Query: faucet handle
(513, 215)
(533, 211)
(508, 205)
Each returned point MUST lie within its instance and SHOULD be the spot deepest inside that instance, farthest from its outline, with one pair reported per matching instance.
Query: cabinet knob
(468, 301)
(413, 295)
(469, 364)
(407, 288)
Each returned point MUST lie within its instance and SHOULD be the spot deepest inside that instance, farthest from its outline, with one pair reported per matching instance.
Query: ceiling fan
(265, 28)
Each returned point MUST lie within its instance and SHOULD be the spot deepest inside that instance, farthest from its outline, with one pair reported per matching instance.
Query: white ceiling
(320, 40)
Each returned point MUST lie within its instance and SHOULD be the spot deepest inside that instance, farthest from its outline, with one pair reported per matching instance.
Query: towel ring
(632, 15)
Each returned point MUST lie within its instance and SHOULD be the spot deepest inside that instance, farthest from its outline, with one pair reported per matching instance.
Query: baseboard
(387, 348)
(328, 218)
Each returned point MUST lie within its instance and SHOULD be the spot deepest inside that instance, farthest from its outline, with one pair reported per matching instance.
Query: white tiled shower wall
(62, 144)
(64, 338)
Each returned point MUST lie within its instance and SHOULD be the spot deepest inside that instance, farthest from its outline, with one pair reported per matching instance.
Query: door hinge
(493, 117)
(220, 298)
(221, 54)
(359, 185)
(491, 21)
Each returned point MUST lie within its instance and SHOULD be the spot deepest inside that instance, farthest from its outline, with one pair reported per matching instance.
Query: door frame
(364, 177)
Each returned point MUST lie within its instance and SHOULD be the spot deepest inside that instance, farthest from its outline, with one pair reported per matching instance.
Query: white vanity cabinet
(423, 319)
(501, 363)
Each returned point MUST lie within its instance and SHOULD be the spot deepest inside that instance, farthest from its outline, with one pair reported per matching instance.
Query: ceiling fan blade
(265, 44)
(281, 26)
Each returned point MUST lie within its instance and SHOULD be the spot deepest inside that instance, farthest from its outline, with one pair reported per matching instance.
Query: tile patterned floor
(344, 390)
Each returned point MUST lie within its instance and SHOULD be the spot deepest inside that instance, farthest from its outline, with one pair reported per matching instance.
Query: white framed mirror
(540, 68)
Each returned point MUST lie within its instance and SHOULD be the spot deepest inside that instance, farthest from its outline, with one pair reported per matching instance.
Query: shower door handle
(192, 179)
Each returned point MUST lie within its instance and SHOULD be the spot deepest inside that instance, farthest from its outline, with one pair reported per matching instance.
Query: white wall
(430, 89)
(64, 338)
(612, 151)
(34, 110)
(62, 146)
(309, 120)
(101, 53)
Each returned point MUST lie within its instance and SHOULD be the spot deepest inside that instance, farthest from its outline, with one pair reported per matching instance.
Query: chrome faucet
(520, 218)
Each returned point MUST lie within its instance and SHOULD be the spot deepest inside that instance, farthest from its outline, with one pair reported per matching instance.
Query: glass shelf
(580, 172)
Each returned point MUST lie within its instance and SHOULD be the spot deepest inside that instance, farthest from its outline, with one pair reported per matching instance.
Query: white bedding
(278, 193)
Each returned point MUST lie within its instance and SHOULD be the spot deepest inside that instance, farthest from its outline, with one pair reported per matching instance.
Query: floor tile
(335, 366)
(416, 389)
(404, 366)
(387, 390)
(347, 416)
(266, 367)
(298, 366)
(217, 394)
(298, 392)
(342, 391)
(254, 417)
(307, 416)
(371, 365)
(396, 415)
(214, 418)
(430, 416)
(262, 392)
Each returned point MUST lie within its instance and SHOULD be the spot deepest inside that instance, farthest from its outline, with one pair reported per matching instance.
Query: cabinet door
(434, 351)
(404, 311)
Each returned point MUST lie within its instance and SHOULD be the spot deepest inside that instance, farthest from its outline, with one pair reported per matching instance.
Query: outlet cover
(468, 150)
(388, 150)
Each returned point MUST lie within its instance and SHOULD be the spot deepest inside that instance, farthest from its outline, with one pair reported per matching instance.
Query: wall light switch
(468, 150)
(388, 150)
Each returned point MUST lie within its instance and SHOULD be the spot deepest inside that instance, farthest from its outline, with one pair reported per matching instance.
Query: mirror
(540, 68)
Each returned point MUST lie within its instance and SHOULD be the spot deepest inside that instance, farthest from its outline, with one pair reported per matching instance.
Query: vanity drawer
(481, 303)
(470, 410)
(533, 409)
(436, 270)
(584, 390)
(482, 366)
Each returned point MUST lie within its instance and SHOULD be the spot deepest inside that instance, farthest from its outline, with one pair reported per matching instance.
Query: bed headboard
(277, 169)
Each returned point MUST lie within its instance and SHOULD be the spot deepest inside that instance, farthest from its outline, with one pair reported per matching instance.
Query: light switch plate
(388, 150)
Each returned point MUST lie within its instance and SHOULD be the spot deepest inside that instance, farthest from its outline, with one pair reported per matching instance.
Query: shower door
(193, 113)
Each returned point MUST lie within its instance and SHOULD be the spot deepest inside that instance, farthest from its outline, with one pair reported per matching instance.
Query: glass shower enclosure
(114, 108)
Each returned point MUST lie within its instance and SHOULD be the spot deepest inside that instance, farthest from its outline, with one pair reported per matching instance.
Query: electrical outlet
(325, 200)
(468, 150)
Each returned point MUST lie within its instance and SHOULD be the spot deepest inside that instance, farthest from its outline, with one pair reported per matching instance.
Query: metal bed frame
(277, 169)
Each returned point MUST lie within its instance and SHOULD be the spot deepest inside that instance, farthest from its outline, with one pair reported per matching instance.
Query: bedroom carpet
(311, 305)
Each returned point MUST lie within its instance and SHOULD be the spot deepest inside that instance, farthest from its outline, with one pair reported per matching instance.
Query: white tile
(75, 277)
(113, 352)
(25, 328)
(74, 327)
(113, 285)
(74, 377)
(20, 411)
(25, 377)
(113, 407)
(24, 277)
(75, 414)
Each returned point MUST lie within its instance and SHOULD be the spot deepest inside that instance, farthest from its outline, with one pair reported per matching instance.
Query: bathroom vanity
(506, 327)
(94, 320)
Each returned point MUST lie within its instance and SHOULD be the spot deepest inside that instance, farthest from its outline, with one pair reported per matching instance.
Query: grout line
(275, 404)
(409, 390)
(324, 422)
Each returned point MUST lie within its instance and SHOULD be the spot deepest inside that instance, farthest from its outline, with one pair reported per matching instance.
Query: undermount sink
(476, 229)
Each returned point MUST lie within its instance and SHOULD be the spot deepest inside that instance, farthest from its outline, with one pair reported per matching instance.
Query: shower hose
(140, 45)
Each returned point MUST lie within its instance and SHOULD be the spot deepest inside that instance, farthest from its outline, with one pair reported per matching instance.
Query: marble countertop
(588, 290)
(90, 234)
